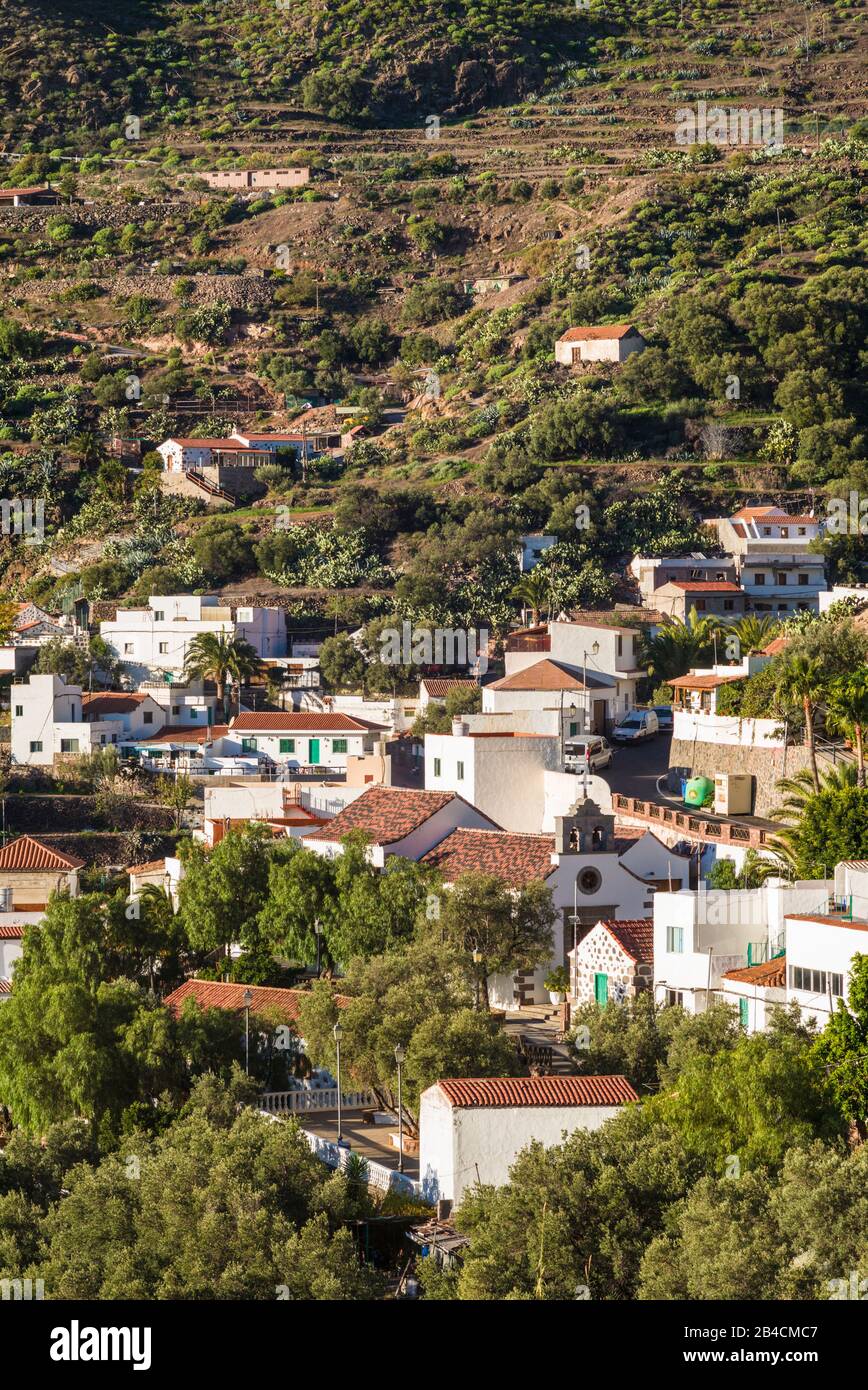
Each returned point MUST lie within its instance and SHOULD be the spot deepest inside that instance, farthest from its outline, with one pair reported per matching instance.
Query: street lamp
(400, 1054)
(318, 929)
(337, 1034)
(594, 649)
(477, 958)
(247, 1000)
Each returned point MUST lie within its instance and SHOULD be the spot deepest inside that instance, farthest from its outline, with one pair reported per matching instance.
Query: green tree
(842, 1049)
(847, 712)
(678, 646)
(218, 657)
(223, 892)
(803, 679)
(496, 930)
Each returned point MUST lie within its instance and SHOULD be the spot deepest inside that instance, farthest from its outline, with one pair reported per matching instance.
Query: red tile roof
(826, 921)
(154, 866)
(600, 330)
(634, 934)
(693, 586)
(13, 932)
(214, 994)
(517, 859)
(702, 682)
(436, 685)
(386, 814)
(776, 645)
(181, 733)
(109, 702)
(548, 675)
(770, 974)
(29, 853)
(5, 987)
(503, 1091)
(300, 723)
(234, 444)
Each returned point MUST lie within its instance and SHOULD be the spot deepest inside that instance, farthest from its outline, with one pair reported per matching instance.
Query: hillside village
(433, 655)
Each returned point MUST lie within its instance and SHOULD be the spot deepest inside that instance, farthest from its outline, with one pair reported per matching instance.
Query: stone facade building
(615, 960)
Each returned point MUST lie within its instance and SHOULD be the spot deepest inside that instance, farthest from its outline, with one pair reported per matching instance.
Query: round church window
(589, 880)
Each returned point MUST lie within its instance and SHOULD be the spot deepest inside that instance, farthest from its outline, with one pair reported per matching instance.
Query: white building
(610, 342)
(531, 549)
(397, 821)
(306, 739)
(471, 1131)
(52, 720)
(152, 643)
(701, 936)
(652, 573)
(776, 568)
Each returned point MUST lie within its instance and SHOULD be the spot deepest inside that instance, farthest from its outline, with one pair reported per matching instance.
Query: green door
(601, 989)
(313, 752)
(742, 1013)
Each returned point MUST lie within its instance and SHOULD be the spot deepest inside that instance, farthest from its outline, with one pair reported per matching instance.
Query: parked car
(665, 722)
(591, 752)
(637, 725)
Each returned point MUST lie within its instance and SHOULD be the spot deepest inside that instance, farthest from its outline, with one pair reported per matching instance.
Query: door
(742, 1013)
(313, 752)
(601, 989)
(598, 718)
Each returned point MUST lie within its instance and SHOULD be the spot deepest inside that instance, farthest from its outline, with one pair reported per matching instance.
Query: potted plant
(557, 982)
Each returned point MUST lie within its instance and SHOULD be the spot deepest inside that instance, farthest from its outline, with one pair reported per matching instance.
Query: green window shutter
(742, 1013)
(287, 745)
(339, 745)
(574, 729)
(601, 989)
(248, 745)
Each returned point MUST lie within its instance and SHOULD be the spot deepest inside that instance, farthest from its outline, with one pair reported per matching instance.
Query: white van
(635, 726)
(591, 752)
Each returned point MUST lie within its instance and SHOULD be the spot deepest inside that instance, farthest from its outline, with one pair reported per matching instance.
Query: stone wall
(765, 765)
(600, 953)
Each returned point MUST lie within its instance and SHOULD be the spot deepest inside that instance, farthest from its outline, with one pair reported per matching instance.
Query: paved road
(635, 768)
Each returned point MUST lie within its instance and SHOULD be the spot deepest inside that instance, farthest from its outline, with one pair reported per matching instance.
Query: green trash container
(697, 790)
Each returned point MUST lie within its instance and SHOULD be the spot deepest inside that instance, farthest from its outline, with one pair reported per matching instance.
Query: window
(803, 530)
(459, 772)
(339, 745)
(176, 709)
(102, 738)
(148, 717)
(675, 997)
(159, 615)
(128, 648)
(589, 881)
(700, 604)
(781, 577)
(164, 648)
(287, 745)
(785, 532)
(248, 745)
(574, 729)
(19, 711)
(759, 579)
(728, 605)
(816, 981)
(69, 745)
(620, 646)
(36, 746)
(5, 899)
(436, 767)
(194, 714)
(803, 579)
(675, 939)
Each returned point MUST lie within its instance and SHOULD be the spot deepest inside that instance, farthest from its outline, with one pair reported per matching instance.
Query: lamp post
(594, 649)
(400, 1054)
(337, 1034)
(318, 929)
(247, 998)
(477, 957)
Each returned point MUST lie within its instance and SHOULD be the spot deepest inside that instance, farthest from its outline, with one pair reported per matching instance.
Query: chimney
(460, 727)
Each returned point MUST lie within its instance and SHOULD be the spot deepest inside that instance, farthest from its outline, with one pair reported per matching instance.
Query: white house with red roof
(472, 1130)
(608, 342)
(397, 820)
(30, 871)
(306, 738)
(776, 568)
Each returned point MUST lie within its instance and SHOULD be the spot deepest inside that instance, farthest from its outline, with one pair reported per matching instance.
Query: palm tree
(754, 633)
(678, 646)
(803, 681)
(799, 793)
(534, 590)
(847, 712)
(214, 656)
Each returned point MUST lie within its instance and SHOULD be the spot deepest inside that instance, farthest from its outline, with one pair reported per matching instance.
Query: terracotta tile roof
(34, 188)
(109, 702)
(181, 733)
(300, 723)
(599, 330)
(826, 921)
(154, 866)
(771, 974)
(693, 586)
(13, 932)
(437, 685)
(494, 1092)
(29, 853)
(234, 444)
(634, 934)
(702, 682)
(776, 645)
(214, 994)
(5, 987)
(386, 814)
(516, 859)
(549, 675)
(768, 510)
